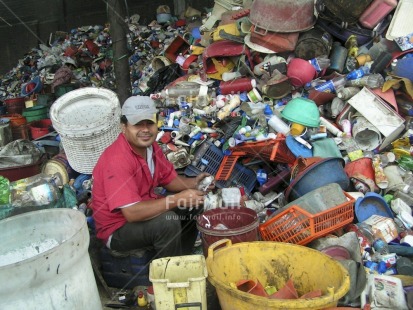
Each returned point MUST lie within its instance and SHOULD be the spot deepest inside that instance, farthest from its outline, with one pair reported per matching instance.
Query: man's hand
(201, 178)
(188, 198)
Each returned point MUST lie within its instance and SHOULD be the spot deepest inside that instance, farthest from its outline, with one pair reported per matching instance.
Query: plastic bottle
(408, 181)
(376, 241)
(376, 12)
(406, 218)
(351, 63)
(273, 60)
(375, 267)
(337, 105)
(226, 110)
(405, 162)
(229, 76)
(332, 85)
(381, 246)
(184, 89)
(243, 84)
(380, 177)
(338, 56)
(367, 233)
(383, 45)
(346, 93)
(331, 128)
(363, 58)
(358, 73)
(187, 91)
(408, 199)
(4, 191)
(276, 123)
(381, 62)
(262, 176)
(373, 81)
(320, 63)
(141, 299)
(268, 112)
(352, 46)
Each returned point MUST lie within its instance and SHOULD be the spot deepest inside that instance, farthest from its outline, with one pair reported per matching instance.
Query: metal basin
(283, 15)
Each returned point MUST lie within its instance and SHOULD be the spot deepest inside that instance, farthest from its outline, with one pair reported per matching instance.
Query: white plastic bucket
(88, 121)
(60, 276)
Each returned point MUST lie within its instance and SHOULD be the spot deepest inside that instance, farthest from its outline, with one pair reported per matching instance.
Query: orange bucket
(40, 128)
(16, 119)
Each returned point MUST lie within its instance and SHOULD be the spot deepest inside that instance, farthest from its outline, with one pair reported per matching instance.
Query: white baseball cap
(139, 108)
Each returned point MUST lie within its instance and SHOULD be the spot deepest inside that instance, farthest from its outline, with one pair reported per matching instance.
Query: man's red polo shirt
(122, 177)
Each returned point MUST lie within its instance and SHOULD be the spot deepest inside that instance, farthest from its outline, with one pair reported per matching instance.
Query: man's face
(141, 135)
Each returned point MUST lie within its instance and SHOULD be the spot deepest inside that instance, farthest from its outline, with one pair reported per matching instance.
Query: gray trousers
(172, 233)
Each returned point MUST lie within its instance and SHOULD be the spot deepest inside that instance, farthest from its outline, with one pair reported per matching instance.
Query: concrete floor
(113, 297)
(110, 295)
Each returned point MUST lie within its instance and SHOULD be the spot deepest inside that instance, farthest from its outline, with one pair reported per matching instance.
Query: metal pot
(283, 15)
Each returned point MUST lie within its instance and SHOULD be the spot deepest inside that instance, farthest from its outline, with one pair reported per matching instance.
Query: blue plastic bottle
(358, 73)
(332, 85)
(320, 63)
(268, 112)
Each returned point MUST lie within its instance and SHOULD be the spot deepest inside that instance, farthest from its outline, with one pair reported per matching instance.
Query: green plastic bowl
(302, 111)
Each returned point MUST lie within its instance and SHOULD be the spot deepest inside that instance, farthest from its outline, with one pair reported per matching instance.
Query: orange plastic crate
(281, 152)
(272, 149)
(295, 225)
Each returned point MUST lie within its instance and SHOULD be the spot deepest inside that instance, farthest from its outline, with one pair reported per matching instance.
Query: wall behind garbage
(26, 23)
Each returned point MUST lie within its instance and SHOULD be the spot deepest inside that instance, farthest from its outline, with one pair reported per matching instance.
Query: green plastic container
(35, 113)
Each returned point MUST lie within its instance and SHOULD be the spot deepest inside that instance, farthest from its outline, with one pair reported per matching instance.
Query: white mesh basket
(87, 120)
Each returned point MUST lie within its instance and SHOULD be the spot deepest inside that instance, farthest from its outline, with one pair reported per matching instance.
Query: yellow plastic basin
(273, 263)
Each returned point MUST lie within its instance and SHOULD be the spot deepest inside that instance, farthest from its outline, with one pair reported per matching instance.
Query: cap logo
(141, 107)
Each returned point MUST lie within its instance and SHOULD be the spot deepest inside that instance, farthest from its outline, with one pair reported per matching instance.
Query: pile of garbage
(284, 103)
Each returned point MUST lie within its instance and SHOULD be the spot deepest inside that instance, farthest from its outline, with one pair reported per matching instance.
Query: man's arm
(145, 210)
(181, 183)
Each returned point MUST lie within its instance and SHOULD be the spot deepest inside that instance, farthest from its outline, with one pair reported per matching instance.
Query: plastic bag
(37, 190)
(19, 152)
(4, 191)
(161, 78)
(405, 162)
